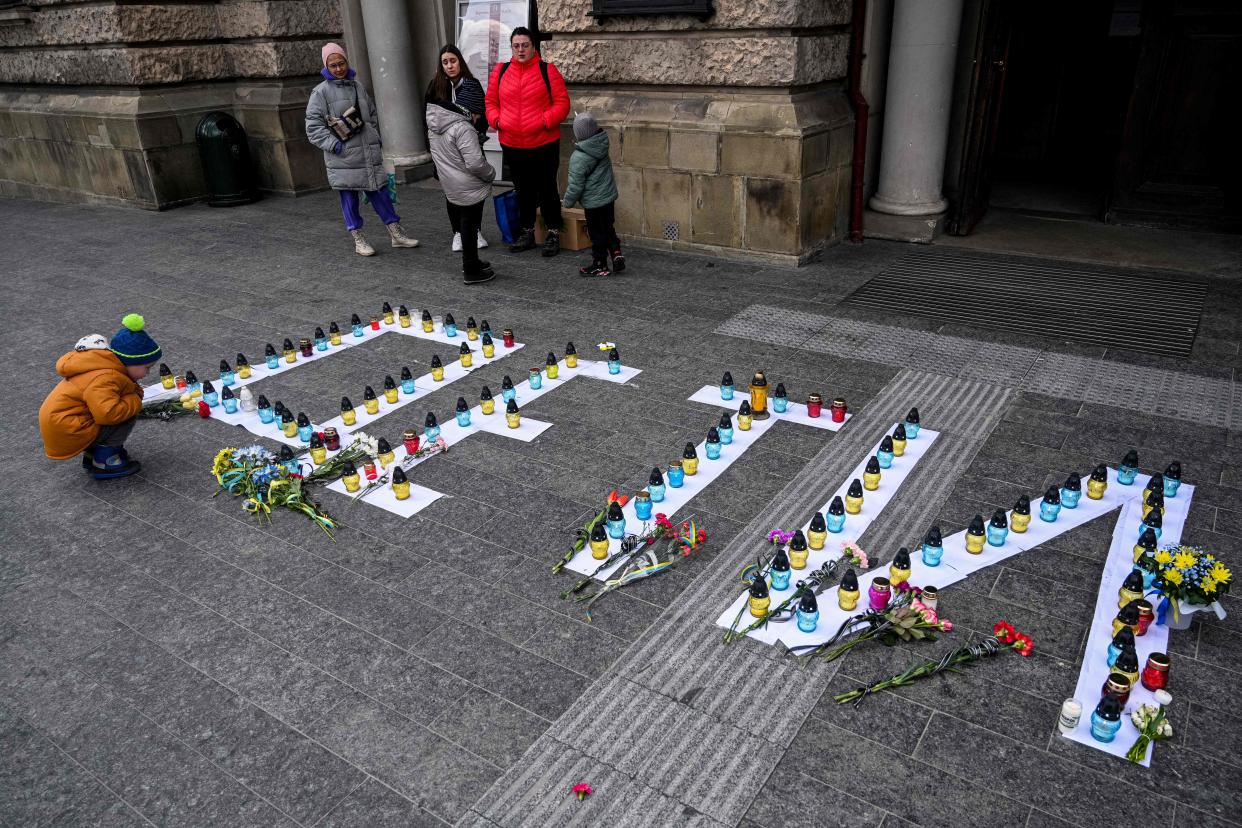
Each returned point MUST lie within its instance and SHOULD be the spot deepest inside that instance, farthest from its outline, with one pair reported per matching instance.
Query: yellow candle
(372, 405)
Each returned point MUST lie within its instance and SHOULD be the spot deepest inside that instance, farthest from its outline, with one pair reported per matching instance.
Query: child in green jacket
(592, 183)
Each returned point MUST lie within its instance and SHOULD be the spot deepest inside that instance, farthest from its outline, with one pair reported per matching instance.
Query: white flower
(1165, 730)
(1137, 718)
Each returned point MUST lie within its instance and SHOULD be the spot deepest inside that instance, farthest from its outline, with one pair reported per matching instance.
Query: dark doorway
(1071, 65)
(1113, 110)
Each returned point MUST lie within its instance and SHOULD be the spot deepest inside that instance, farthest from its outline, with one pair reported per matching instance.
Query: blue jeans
(379, 200)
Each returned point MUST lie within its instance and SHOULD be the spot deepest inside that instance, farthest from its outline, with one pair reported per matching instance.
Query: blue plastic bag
(507, 218)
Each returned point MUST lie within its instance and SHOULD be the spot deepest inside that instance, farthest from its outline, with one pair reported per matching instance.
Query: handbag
(349, 124)
(507, 216)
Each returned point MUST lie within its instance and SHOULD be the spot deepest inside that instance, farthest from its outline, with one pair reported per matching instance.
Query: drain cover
(1146, 311)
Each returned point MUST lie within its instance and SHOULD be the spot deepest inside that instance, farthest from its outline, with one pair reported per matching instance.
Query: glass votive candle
(1071, 714)
(1156, 672)
(814, 405)
(676, 474)
(642, 505)
(838, 410)
(879, 593)
(726, 386)
(780, 399)
(616, 521)
(712, 445)
(507, 337)
(808, 607)
(1106, 720)
(1128, 470)
(535, 378)
(655, 486)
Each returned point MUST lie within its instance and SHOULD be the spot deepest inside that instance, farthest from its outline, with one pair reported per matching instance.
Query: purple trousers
(379, 200)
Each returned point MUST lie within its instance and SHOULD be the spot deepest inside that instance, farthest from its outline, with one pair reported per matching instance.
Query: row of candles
(229, 374)
(833, 520)
(757, 406)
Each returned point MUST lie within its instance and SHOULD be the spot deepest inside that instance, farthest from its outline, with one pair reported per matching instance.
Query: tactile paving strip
(1040, 297)
(1199, 399)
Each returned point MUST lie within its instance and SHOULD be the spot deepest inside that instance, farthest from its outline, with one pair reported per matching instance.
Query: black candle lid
(817, 523)
(798, 541)
(288, 344)
(1053, 496)
(382, 446)
(386, 308)
(1154, 498)
(1100, 473)
(780, 561)
(727, 379)
(1023, 506)
(598, 533)
(807, 603)
(1173, 471)
(688, 453)
(933, 537)
(873, 465)
(224, 366)
(835, 506)
(354, 319)
(389, 382)
(849, 581)
(278, 407)
(570, 349)
(1129, 614)
(1073, 482)
(1133, 581)
(759, 587)
(998, 520)
(430, 421)
(976, 525)
(286, 453)
(743, 410)
(303, 420)
(368, 393)
(208, 387)
(286, 416)
(1156, 481)
(426, 316)
(464, 349)
(780, 390)
(403, 311)
(1154, 519)
(316, 441)
(485, 394)
(855, 489)
(346, 405)
(487, 338)
(899, 433)
(435, 361)
(262, 402)
(551, 360)
(759, 380)
(1127, 661)
(241, 360)
(614, 511)
(484, 326)
(886, 444)
(1109, 708)
(1148, 539)
(713, 436)
(912, 416)
(1124, 638)
(461, 405)
(1131, 459)
(405, 373)
(226, 393)
(269, 349)
(725, 422)
(902, 559)
(506, 383)
(656, 478)
(398, 476)
(512, 407)
(449, 320)
(614, 355)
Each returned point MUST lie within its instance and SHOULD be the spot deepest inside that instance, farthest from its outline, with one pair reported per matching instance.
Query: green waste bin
(226, 160)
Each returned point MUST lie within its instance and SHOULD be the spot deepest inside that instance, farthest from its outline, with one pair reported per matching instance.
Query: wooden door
(1178, 162)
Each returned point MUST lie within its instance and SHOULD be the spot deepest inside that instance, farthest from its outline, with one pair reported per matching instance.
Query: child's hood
(440, 118)
(76, 363)
(596, 146)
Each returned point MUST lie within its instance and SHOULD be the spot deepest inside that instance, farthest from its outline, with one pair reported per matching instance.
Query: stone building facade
(100, 101)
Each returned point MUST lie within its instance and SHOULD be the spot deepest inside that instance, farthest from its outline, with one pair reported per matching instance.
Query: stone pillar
(393, 61)
(919, 94)
(356, 40)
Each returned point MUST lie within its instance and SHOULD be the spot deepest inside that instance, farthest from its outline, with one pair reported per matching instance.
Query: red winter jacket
(519, 106)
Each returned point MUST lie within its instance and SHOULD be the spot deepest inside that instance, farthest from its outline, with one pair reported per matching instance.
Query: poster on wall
(483, 28)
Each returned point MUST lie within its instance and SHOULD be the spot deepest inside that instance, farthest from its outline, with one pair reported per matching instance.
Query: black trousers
(466, 220)
(599, 222)
(115, 435)
(534, 178)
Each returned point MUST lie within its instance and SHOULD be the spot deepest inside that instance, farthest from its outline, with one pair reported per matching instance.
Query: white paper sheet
(832, 616)
(709, 470)
(1095, 670)
(794, 413)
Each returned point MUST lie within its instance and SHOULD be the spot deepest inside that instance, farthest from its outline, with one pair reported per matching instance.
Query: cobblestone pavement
(167, 660)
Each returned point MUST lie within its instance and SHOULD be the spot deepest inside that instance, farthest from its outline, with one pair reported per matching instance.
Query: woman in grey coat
(466, 177)
(357, 161)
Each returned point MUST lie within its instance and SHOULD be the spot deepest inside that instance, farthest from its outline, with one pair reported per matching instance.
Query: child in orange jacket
(93, 409)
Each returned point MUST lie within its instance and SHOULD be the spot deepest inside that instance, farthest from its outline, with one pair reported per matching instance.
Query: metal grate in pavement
(1100, 306)
(1199, 399)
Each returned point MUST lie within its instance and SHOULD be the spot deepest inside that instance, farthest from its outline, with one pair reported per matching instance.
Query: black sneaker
(553, 244)
(526, 241)
(478, 277)
(594, 269)
(618, 260)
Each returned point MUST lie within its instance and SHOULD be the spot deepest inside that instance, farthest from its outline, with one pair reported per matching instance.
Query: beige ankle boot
(361, 247)
(399, 238)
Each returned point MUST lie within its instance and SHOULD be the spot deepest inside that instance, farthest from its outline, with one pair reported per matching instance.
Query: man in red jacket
(526, 102)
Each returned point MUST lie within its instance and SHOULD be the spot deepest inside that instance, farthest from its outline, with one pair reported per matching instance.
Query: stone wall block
(562, 16)
(771, 205)
(764, 156)
(644, 146)
(716, 216)
(666, 198)
(694, 150)
(818, 205)
(814, 153)
(629, 205)
(841, 146)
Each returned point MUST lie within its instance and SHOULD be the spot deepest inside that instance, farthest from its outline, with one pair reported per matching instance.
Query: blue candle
(780, 403)
(1050, 506)
(614, 361)
(305, 429)
(676, 475)
(450, 325)
(228, 401)
(1172, 479)
(431, 427)
(642, 507)
(210, 395)
(998, 528)
(1106, 720)
(616, 521)
(780, 570)
(355, 325)
(463, 412)
(536, 378)
(264, 410)
(407, 381)
(933, 547)
(1071, 491)
(321, 341)
(507, 392)
(1128, 469)
(835, 516)
(808, 612)
(655, 486)
(912, 424)
(725, 429)
(885, 454)
(273, 360)
(227, 375)
(726, 386)
(713, 444)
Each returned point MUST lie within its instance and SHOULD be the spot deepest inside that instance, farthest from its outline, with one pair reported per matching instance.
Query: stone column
(919, 94)
(393, 62)
(356, 40)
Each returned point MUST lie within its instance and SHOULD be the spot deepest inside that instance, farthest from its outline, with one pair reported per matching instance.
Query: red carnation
(1023, 644)
(204, 410)
(1004, 632)
(582, 790)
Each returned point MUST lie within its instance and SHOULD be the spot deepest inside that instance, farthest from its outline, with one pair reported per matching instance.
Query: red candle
(814, 405)
(1147, 614)
(508, 337)
(1118, 685)
(331, 440)
(411, 439)
(1156, 674)
(305, 346)
(180, 382)
(838, 410)
(375, 323)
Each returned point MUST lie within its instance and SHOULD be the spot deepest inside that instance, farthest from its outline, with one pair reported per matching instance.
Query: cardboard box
(574, 236)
